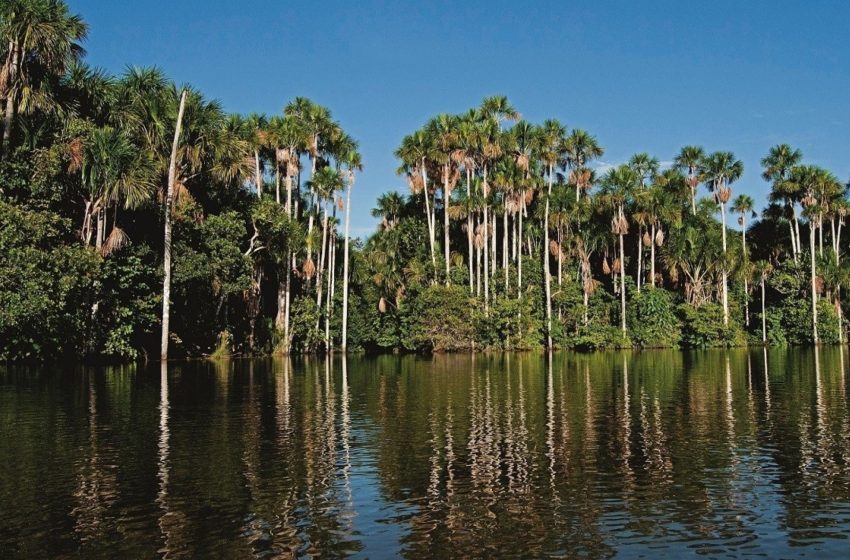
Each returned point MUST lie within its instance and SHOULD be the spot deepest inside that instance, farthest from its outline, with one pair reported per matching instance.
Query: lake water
(663, 453)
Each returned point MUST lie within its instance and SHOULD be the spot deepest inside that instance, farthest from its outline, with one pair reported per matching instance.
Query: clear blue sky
(641, 76)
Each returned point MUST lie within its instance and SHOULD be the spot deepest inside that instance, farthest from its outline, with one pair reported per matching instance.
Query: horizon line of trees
(137, 216)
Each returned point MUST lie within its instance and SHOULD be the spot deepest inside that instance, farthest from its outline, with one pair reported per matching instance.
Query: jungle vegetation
(137, 216)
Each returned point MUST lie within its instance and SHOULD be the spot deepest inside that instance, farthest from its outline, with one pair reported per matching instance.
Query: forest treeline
(137, 216)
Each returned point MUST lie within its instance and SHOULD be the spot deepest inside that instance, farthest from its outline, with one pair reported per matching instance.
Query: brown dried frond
(382, 305)
(554, 248)
(659, 238)
(819, 285)
(618, 268)
(522, 162)
(590, 286)
(693, 181)
(529, 196)
(723, 194)
(647, 239)
(340, 204)
(415, 182)
(606, 268)
(75, 154)
(309, 268)
(116, 240)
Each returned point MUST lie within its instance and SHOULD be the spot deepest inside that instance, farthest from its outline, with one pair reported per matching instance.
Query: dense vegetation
(117, 190)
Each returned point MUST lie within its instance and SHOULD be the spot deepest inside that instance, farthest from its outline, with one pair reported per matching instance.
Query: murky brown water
(636, 455)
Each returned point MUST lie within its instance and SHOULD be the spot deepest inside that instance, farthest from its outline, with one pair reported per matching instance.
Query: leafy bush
(442, 319)
(703, 327)
(652, 319)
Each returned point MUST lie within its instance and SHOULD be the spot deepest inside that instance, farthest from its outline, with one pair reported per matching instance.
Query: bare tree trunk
(320, 271)
(258, 179)
(446, 197)
(427, 216)
(9, 114)
(639, 255)
(652, 257)
(814, 283)
(469, 231)
(763, 318)
(329, 292)
(344, 341)
(746, 281)
(622, 283)
(166, 261)
(724, 273)
(519, 252)
(505, 247)
(546, 274)
(485, 247)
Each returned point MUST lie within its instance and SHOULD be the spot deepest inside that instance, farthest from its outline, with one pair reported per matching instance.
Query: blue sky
(641, 76)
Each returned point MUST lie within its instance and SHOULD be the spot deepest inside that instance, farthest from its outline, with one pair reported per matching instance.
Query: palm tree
(581, 147)
(743, 205)
(776, 168)
(444, 136)
(551, 143)
(116, 173)
(352, 162)
(688, 161)
(256, 126)
(646, 168)
(618, 186)
(415, 152)
(388, 208)
(763, 269)
(166, 261)
(43, 39)
(719, 170)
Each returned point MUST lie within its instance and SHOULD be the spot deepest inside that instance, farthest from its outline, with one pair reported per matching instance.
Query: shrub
(442, 319)
(652, 320)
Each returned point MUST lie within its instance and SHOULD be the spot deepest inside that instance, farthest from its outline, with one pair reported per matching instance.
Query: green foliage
(442, 320)
(652, 320)
(702, 327)
(45, 286)
(510, 324)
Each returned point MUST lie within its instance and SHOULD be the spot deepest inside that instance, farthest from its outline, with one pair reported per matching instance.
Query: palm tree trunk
(639, 255)
(763, 318)
(519, 252)
(288, 196)
(427, 216)
(9, 114)
(793, 241)
(546, 274)
(320, 270)
(485, 248)
(100, 229)
(652, 256)
(492, 241)
(329, 292)
(723, 270)
(166, 260)
(446, 196)
(560, 259)
(258, 179)
(277, 182)
(622, 283)
(505, 247)
(814, 283)
(746, 281)
(344, 341)
(469, 231)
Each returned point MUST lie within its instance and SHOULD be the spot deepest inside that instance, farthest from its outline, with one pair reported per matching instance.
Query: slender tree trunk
(277, 181)
(258, 179)
(693, 201)
(446, 196)
(469, 231)
(622, 283)
(560, 259)
(312, 209)
(428, 217)
(639, 256)
(505, 247)
(797, 234)
(746, 261)
(814, 284)
(793, 241)
(166, 261)
(485, 248)
(763, 318)
(320, 271)
(723, 270)
(492, 240)
(652, 256)
(519, 254)
(545, 252)
(9, 115)
(344, 341)
(329, 293)
(101, 226)
(820, 235)
(289, 196)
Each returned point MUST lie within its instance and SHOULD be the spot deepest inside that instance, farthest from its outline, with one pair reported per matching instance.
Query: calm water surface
(708, 454)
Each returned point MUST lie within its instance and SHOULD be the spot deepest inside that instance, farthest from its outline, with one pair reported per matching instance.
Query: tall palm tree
(444, 135)
(763, 269)
(688, 161)
(618, 187)
(776, 168)
(43, 38)
(743, 205)
(388, 208)
(646, 168)
(415, 153)
(551, 144)
(352, 162)
(581, 147)
(719, 170)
